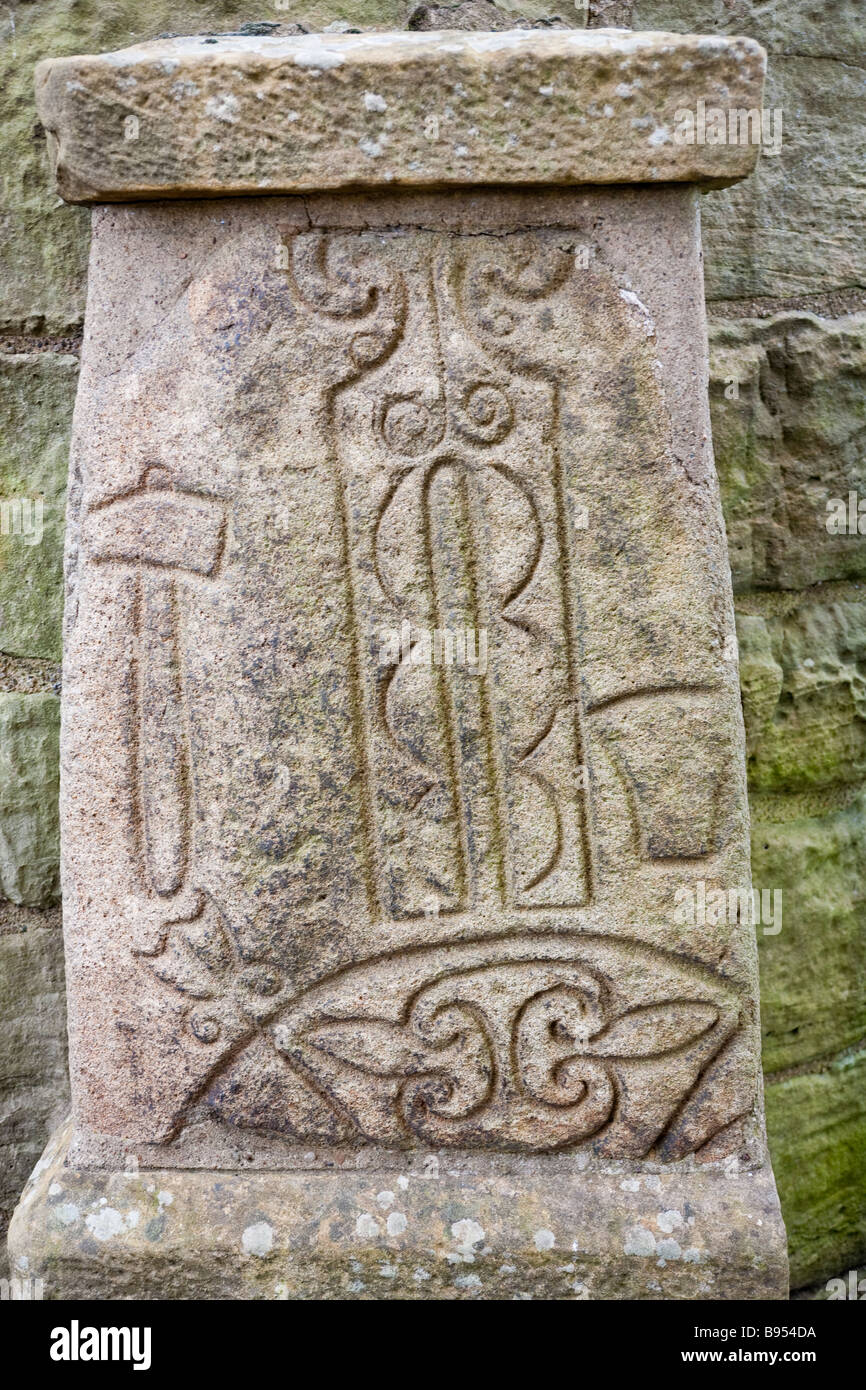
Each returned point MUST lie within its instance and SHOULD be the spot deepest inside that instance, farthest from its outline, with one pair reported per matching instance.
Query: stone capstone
(209, 115)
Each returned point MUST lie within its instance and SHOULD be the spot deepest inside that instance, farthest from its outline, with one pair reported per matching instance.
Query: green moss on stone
(37, 393)
(29, 784)
(817, 1131)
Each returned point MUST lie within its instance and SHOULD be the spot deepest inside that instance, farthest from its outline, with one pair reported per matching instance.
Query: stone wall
(785, 278)
(785, 282)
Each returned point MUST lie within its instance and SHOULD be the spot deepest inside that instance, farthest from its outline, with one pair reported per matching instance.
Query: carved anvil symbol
(164, 534)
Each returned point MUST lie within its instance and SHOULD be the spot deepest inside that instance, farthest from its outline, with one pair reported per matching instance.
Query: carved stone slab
(324, 885)
(401, 712)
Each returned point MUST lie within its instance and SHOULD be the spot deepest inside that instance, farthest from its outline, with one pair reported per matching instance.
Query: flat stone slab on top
(201, 116)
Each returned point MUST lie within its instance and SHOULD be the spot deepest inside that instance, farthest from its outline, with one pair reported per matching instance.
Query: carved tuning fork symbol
(163, 534)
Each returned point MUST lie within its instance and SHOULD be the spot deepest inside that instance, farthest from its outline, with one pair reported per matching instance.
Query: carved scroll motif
(537, 1043)
(473, 789)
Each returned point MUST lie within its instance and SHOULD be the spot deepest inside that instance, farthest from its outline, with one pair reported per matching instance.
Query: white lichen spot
(581, 1292)
(293, 115)
(545, 91)
(693, 1255)
(105, 1223)
(461, 151)
(224, 107)
(66, 1213)
(625, 90)
(373, 102)
(607, 110)
(668, 1221)
(367, 1227)
(55, 1190)
(639, 1241)
(652, 1182)
(508, 1269)
(164, 1198)
(388, 1271)
(385, 1199)
(258, 1239)
(544, 1239)
(660, 136)
(281, 1292)
(467, 1233)
(420, 1275)
(630, 1184)
(396, 1223)
(668, 1249)
(402, 1182)
(467, 1281)
(356, 1286)
(371, 148)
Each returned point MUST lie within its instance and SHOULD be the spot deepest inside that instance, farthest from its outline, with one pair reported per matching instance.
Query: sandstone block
(34, 1084)
(789, 410)
(437, 1234)
(203, 115)
(29, 823)
(812, 1000)
(37, 391)
(818, 1133)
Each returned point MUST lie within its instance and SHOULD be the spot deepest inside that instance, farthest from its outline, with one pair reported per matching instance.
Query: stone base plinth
(376, 1234)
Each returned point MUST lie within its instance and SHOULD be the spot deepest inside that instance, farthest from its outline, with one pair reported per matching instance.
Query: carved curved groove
(556, 853)
(319, 288)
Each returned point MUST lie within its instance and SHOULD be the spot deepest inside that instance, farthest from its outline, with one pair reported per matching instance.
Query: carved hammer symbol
(163, 534)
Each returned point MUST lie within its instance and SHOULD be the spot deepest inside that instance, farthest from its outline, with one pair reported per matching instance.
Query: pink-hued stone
(403, 788)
